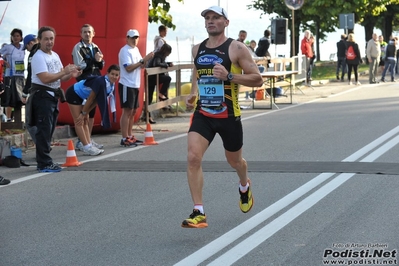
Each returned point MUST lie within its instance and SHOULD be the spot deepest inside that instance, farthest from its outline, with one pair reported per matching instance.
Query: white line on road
(273, 227)
(223, 241)
(263, 234)
(98, 158)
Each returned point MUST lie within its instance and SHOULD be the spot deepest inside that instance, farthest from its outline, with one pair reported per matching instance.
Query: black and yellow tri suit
(204, 63)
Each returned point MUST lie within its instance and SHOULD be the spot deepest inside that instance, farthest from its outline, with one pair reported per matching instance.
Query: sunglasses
(135, 37)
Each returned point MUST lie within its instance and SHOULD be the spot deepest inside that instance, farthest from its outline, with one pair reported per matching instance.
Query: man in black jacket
(263, 45)
(341, 55)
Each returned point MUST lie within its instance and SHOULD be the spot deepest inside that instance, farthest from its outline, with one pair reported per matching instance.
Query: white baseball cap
(132, 33)
(217, 9)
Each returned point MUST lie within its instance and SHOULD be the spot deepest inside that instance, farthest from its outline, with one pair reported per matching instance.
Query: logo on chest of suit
(209, 59)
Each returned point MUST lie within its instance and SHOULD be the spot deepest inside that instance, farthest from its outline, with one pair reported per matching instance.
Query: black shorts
(128, 97)
(73, 98)
(14, 87)
(229, 129)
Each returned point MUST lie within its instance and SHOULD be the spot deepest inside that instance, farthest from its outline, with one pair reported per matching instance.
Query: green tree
(387, 20)
(278, 7)
(158, 12)
(322, 16)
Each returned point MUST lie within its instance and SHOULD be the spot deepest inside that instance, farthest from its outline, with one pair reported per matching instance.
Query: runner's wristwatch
(230, 76)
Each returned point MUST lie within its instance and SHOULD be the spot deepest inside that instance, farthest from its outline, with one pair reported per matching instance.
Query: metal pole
(227, 9)
(293, 32)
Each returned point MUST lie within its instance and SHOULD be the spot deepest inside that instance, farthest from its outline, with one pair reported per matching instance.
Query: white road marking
(263, 234)
(257, 238)
(96, 158)
(105, 156)
(223, 241)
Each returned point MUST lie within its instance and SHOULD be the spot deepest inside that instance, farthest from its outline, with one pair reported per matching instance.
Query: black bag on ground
(11, 161)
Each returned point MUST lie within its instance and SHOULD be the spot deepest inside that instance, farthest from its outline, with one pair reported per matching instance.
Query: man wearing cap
(220, 64)
(130, 63)
(89, 58)
(31, 45)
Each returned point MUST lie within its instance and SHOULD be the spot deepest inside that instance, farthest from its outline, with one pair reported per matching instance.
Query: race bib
(19, 67)
(211, 91)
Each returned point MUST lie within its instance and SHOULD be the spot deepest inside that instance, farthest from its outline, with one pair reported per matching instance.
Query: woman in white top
(14, 81)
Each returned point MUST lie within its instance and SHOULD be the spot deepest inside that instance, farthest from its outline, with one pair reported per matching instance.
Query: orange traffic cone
(149, 137)
(71, 159)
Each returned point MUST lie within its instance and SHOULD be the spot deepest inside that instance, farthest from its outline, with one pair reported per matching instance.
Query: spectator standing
(3, 70)
(353, 58)
(14, 80)
(3, 117)
(130, 63)
(383, 45)
(263, 51)
(263, 45)
(163, 79)
(341, 55)
(96, 90)
(31, 45)
(373, 53)
(397, 61)
(159, 40)
(390, 59)
(312, 60)
(306, 49)
(236, 67)
(252, 46)
(89, 58)
(242, 35)
(47, 74)
(2, 67)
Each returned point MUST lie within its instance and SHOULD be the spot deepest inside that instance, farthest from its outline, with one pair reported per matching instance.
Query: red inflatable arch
(111, 20)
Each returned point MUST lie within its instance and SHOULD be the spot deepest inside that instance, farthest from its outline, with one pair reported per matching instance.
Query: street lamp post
(293, 5)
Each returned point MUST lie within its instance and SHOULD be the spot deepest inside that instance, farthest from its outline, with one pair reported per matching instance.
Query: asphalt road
(101, 215)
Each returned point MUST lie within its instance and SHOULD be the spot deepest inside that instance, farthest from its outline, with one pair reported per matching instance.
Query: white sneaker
(92, 151)
(98, 146)
(350, 83)
(358, 83)
(79, 145)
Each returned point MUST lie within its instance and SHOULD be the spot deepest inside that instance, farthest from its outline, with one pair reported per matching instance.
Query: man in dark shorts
(219, 63)
(130, 63)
